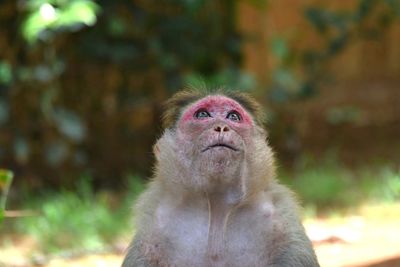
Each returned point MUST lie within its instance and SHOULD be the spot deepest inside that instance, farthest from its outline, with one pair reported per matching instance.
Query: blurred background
(82, 86)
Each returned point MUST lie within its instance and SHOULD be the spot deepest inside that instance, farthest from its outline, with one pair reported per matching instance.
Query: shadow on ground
(386, 263)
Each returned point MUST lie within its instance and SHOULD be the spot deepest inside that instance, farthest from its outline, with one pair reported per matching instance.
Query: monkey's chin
(220, 162)
(220, 155)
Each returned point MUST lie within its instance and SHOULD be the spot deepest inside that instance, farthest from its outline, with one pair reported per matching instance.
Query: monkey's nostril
(221, 129)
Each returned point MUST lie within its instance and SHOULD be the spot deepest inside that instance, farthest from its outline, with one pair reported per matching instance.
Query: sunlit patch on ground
(371, 237)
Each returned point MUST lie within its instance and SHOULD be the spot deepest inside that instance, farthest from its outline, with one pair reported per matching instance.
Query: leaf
(317, 18)
(70, 124)
(286, 78)
(6, 177)
(337, 44)
(78, 12)
(307, 90)
(365, 8)
(279, 48)
(68, 15)
(5, 73)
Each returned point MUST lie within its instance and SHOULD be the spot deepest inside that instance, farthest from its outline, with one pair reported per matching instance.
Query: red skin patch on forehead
(218, 106)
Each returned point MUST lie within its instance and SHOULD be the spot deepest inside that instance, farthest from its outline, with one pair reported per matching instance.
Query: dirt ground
(370, 239)
(357, 243)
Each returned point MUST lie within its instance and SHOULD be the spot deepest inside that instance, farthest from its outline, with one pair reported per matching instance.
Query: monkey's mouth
(220, 145)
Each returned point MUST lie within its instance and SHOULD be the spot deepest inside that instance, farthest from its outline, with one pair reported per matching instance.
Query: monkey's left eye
(201, 114)
(234, 116)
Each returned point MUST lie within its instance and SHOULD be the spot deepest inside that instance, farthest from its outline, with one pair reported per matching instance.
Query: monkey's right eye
(201, 114)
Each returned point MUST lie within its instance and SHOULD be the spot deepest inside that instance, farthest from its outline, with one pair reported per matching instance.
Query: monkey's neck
(219, 209)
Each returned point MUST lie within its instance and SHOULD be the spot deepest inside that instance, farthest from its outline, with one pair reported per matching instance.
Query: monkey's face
(213, 136)
(215, 144)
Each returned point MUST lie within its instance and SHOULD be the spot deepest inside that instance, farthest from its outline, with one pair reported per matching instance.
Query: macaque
(214, 199)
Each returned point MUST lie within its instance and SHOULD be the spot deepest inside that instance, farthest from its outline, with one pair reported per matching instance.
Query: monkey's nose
(221, 128)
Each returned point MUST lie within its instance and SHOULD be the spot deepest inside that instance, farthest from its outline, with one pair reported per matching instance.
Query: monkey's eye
(201, 114)
(234, 116)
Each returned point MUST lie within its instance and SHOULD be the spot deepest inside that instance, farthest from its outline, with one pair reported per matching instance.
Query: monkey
(214, 200)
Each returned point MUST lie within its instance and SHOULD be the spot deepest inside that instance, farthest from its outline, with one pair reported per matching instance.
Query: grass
(326, 186)
(79, 221)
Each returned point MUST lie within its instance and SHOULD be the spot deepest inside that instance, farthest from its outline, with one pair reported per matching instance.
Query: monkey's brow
(175, 105)
(181, 100)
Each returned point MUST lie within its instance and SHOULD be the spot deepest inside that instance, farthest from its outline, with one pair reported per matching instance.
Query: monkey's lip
(220, 145)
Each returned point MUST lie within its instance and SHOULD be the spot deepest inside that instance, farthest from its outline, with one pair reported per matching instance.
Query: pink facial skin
(218, 107)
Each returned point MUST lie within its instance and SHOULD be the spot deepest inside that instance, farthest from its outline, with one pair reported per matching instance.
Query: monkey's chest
(183, 237)
(186, 239)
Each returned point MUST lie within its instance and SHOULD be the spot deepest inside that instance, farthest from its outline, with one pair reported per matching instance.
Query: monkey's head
(214, 141)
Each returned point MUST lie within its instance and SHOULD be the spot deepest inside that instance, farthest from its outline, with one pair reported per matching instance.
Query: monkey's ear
(156, 150)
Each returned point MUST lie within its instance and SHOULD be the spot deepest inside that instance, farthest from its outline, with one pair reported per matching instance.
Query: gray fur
(196, 213)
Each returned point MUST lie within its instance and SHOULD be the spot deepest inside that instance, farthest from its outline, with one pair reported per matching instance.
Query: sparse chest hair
(205, 234)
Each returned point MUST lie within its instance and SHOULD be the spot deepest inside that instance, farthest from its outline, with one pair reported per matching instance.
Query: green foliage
(5, 72)
(325, 184)
(81, 220)
(87, 220)
(69, 124)
(382, 184)
(47, 16)
(321, 183)
(347, 114)
(76, 98)
(299, 73)
(300, 70)
(6, 177)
